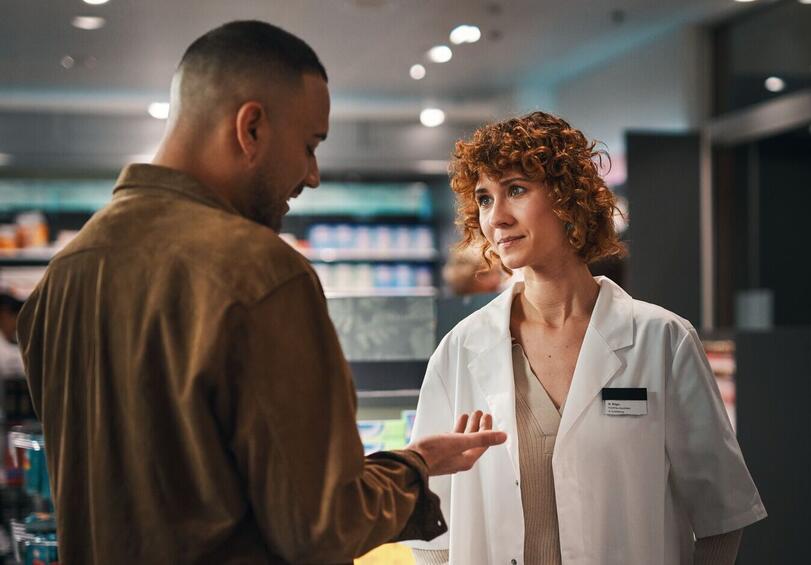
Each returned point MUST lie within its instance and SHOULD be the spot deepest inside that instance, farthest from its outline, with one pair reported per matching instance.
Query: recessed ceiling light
(88, 22)
(417, 72)
(440, 54)
(775, 84)
(432, 117)
(159, 110)
(805, 1)
(67, 62)
(96, 2)
(465, 34)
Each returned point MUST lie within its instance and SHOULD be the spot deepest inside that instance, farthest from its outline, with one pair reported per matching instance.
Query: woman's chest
(552, 356)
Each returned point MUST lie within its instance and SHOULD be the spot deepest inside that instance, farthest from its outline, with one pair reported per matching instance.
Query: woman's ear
(250, 120)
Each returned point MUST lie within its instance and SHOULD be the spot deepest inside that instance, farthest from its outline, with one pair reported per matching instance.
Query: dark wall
(785, 198)
(663, 196)
(773, 391)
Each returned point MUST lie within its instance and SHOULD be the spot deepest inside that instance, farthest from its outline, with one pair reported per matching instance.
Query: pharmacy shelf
(35, 257)
(370, 255)
(379, 292)
(23, 262)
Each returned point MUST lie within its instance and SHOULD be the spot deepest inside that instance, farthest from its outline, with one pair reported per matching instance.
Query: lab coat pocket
(633, 437)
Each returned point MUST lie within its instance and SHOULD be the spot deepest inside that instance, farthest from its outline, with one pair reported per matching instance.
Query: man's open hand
(458, 451)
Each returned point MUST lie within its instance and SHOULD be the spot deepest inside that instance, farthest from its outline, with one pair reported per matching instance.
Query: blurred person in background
(195, 401)
(620, 450)
(11, 362)
(466, 273)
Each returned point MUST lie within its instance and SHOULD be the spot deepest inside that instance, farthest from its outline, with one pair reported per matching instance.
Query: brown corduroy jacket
(196, 404)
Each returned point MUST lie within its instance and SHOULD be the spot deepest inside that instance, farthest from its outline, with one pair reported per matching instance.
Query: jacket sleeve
(707, 468)
(435, 416)
(314, 495)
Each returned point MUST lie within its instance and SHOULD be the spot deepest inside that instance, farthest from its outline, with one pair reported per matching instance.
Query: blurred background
(703, 105)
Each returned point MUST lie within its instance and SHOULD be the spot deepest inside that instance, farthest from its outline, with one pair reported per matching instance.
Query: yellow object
(389, 554)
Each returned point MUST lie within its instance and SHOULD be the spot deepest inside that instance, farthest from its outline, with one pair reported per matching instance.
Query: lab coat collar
(489, 347)
(610, 329)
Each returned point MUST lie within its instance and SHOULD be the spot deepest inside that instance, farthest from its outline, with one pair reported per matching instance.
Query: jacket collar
(144, 176)
(489, 348)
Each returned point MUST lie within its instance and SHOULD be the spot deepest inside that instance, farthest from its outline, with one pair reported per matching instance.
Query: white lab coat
(630, 490)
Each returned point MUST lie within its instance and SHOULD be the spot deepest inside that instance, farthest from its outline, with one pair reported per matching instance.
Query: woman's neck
(554, 296)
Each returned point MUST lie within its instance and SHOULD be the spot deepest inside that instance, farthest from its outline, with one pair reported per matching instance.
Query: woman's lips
(510, 241)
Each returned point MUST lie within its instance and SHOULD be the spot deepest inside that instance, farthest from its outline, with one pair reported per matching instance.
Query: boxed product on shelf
(34, 539)
(374, 276)
(378, 435)
(27, 448)
(721, 357)
(370, 237)
(408, 417)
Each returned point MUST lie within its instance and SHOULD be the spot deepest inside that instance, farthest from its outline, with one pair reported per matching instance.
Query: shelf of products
(721, 356)
(33, 536)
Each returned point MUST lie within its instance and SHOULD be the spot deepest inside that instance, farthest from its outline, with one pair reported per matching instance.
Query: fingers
(454, 452)
(487, 422)
(485, 439)
(461, 423)
(474, 421)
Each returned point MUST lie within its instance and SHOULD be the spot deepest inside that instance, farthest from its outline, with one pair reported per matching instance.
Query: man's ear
(250, 120)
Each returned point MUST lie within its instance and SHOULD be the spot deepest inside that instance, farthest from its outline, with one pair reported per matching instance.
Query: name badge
(625, 401)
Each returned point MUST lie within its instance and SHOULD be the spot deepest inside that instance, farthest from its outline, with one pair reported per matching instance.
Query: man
(195, 402)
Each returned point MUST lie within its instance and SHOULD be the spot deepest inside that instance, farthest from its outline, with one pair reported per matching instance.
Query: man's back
(127, 359)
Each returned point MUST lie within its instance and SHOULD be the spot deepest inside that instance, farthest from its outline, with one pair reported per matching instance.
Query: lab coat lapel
(610, 329)
(490, 348)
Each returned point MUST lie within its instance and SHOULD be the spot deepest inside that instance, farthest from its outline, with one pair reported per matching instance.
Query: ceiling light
(88, 22)
(417, 72)
(805, 1)
(159, 110)
(5, 159)
(440, 54)
(775, 84)
(432, 117)
(743, 1)
(96, 2)
(67, 62)
(465, 34)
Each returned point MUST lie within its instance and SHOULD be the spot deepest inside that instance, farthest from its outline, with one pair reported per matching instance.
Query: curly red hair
(544, 148)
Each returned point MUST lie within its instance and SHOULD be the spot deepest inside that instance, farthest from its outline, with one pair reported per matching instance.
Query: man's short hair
(246, 47)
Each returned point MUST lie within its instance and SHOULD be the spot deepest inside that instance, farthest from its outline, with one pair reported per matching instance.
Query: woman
(619, 449)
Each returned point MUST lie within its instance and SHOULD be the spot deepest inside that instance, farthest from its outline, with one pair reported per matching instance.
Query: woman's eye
(484, 200)
(515, 190)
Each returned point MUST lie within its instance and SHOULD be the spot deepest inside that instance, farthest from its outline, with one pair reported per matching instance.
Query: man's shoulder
(247, 258)
(167, 236)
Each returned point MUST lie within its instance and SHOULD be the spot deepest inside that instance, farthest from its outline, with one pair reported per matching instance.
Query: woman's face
(516, 217)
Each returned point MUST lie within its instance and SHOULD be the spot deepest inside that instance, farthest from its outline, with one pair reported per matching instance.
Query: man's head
(249, 106)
